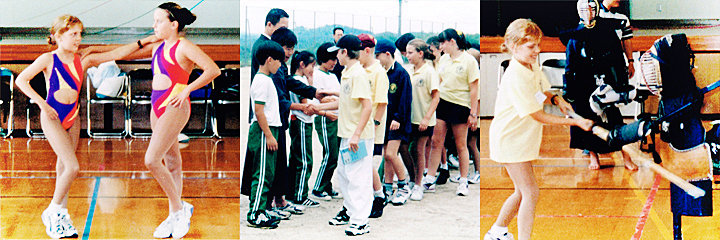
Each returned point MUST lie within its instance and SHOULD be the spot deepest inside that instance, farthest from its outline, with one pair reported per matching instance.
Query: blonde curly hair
(61, 25)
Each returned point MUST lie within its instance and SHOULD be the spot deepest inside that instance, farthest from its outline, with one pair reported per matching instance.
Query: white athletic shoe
(181, 224)
(474, 178)
(462, 189)
(401, 196)
(417, 193)
(165, 229)
(70, 231)
(188, 208)
(53, 224)
(455, 179)
(506, 236)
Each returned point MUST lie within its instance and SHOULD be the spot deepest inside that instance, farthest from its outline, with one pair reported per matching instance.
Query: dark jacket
(399, 97)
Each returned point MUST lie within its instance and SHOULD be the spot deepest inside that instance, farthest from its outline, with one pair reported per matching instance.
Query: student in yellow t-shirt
(425, 84)
(516, 130)
(377, 75)
(355, 131)
(457, 107)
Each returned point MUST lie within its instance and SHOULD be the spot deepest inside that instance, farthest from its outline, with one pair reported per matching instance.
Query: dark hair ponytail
(177, 13)
(305, 57)
(459, 36)
(421, 46)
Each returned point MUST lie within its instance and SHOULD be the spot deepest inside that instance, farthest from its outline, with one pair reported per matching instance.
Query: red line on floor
(646, 209)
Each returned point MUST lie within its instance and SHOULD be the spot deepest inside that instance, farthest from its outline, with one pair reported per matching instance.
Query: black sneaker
(340, 219)
(443, 175)
(377, 207)
(320, 195)
(334, 195)
(263, 221)
(354, 229)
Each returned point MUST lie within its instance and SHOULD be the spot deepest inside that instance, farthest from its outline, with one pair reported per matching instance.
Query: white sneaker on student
(181, 224)
(401, 196)
(165, 229)
(506, 236)
(462, 189)
(70, 231)
(188, 208)
(417, 193)
(474, 178)
(53, 224)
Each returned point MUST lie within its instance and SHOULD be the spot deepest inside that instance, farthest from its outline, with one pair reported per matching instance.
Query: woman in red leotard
(172, 60)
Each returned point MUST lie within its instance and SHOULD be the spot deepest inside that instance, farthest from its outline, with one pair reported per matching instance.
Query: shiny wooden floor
(115, 196)
(578, 203)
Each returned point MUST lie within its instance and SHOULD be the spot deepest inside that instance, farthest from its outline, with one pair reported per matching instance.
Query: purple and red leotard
(65, 77)
(164, 62)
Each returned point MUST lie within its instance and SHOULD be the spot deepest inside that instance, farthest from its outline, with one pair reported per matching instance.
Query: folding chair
(107, 104)
(7, 83)
(226, 93)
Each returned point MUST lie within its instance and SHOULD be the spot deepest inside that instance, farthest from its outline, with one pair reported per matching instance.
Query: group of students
(173, 57)
(363, 104)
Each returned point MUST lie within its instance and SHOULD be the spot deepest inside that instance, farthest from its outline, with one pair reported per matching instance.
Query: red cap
(367, 40)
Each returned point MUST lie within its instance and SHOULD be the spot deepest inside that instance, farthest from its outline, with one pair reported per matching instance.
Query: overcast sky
(381, 15)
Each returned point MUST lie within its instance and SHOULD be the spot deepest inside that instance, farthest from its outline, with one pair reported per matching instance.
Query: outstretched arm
(121, 52)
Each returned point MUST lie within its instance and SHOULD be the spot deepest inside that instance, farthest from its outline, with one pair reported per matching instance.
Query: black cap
(349, 42)
(403, 40)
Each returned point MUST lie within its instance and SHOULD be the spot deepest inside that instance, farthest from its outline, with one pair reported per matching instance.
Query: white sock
(497, 230)
(463, 180)
(444, 166)
(54, 207)
(379, 193)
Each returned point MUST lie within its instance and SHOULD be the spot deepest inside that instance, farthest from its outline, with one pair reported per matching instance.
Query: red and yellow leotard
(165, 63)
(64, 78)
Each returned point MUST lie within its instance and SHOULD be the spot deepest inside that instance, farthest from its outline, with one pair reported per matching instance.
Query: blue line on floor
(91, 211)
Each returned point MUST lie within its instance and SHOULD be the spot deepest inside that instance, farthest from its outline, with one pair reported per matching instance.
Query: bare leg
(460, 132)
(64, 145)
(391, 159)
(594, 161)
(173, 162)
(164, 135)
(472, 144)
(522, 202)
(438, 144)
(628, 162)
(420, 147)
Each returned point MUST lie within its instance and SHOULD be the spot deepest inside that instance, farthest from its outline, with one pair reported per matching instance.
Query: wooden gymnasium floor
(115, 196)
(578, 203)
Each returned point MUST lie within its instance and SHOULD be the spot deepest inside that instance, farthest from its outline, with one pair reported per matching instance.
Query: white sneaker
(165, 229)
(474, 178)
(506, 236)
(182, 138)
(70, 231)
(188, 208)
(401, 196)
(417, 193)
(455, 179)
(428, 186)
(181, 224)
(53, 225)
(462, 189)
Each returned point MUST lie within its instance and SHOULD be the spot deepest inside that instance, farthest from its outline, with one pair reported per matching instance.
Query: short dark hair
(323, 55)
(269, 49)
(434, 41)
(403, 40)
(338, 28)
(275, 15)
(353, 54)
(305, 57)
(459, 37)
(285, 37)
